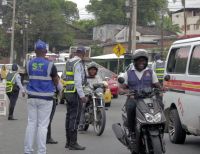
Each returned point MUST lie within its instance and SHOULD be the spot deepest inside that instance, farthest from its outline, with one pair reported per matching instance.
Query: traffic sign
(119, 50)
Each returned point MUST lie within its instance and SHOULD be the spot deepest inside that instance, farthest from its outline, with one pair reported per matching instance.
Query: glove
(84, 99)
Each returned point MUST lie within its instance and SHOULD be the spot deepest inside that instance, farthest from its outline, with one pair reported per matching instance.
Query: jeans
(39, 111)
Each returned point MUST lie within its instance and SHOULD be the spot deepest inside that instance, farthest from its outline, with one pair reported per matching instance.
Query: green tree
(113, 12)
(168, 25)
(86, 25)
(108, 12)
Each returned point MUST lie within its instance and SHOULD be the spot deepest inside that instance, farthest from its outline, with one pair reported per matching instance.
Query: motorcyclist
(136, 78)
(92, 78)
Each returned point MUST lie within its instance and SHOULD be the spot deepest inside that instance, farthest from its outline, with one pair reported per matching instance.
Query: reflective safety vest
(9, 82)
(40, 81)
(69, 82)
(160, 68)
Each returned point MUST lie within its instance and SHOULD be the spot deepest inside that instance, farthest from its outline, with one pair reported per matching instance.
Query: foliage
(108, 12)
(86, 26)
(96, 50)
(113, 12)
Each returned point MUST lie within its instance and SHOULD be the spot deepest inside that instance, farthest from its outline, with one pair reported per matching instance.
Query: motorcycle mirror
(167, 78)
(121, 80)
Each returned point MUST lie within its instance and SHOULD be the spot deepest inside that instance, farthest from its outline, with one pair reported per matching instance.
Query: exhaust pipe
(119, 133)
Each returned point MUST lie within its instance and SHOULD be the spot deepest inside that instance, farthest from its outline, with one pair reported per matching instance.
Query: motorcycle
(150, 124)
(95, 109)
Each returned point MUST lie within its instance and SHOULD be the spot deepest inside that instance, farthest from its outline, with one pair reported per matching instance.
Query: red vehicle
(113, 86)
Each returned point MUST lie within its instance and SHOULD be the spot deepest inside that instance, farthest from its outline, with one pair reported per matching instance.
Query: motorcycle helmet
(92, 65)
(140, 53)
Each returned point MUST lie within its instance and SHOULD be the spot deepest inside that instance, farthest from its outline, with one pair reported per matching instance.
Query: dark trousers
(13, 96)
(74, 107)
(131, 113)
(51, 118)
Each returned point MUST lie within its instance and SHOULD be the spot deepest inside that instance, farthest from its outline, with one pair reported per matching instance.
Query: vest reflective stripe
(160, 70)
(69, 82)
(40, 93)
(9, 82)
(69, 73)
(40, 78)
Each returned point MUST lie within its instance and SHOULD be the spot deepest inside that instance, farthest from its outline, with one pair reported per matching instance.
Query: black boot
(10, 115)
(67, 141)
(73, 145)
(51, 141)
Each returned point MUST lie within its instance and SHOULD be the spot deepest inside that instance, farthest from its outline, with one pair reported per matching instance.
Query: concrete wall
(106, 32)
(193, 22)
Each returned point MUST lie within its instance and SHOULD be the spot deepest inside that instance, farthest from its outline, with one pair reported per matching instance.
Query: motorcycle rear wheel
(100, 124)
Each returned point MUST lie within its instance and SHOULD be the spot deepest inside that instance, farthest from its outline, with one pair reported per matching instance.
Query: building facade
(192, 20)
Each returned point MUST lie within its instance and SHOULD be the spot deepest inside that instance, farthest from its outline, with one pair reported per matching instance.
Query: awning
(107, 57)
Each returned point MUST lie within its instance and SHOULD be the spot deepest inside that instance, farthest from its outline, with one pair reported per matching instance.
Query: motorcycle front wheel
(100, 124)
(156, 145)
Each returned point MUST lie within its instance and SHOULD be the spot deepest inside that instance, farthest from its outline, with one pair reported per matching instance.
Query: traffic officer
(75, 79)
(43, 78)
(159, 67)
(13, 86)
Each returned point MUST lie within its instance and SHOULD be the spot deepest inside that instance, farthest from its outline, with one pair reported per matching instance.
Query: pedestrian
(43, 78)
(75, 78)
(13, 86)
(4, 72)
(159, 67)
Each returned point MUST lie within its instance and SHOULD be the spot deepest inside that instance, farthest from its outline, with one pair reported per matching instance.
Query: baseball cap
(40, 45)
(80, 50)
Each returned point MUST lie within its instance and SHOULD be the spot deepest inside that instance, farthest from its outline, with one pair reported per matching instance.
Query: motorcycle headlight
(149, 117)
(153, 118)
(157, 117)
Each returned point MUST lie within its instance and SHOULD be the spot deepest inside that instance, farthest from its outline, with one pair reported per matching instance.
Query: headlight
(150, 118)
(157, 117)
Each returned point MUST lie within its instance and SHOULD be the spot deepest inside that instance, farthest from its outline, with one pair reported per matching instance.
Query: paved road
(12, 135)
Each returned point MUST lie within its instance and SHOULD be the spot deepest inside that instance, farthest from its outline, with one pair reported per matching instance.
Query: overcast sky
(84, 14)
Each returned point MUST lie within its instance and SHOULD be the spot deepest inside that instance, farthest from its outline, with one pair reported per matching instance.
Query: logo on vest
(37, 66)
(147, 74)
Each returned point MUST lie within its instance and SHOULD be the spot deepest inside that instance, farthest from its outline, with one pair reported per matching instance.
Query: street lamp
(13, 6)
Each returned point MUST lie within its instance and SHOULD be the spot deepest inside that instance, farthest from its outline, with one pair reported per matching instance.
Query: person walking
(75, 78)
(43, 78)
(4, 72)
(13, 86)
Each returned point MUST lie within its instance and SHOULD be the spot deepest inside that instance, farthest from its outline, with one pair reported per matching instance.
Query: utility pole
(134, 25)
(130, 26)
(13, 33)
(185, 18)
(162, 35)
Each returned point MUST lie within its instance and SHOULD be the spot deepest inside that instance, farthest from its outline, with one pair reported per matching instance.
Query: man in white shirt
(137, 78)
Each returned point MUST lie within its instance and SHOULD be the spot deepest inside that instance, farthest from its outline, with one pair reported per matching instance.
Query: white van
(182, 101)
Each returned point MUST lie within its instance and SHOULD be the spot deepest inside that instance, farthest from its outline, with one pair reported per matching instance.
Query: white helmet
(140, 53)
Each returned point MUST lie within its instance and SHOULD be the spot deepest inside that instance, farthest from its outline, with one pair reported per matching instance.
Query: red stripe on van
(183, 85)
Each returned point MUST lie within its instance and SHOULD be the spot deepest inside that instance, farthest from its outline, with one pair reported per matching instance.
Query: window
(196, 27)
(188, 27)
(177, 61)
(194, 68)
